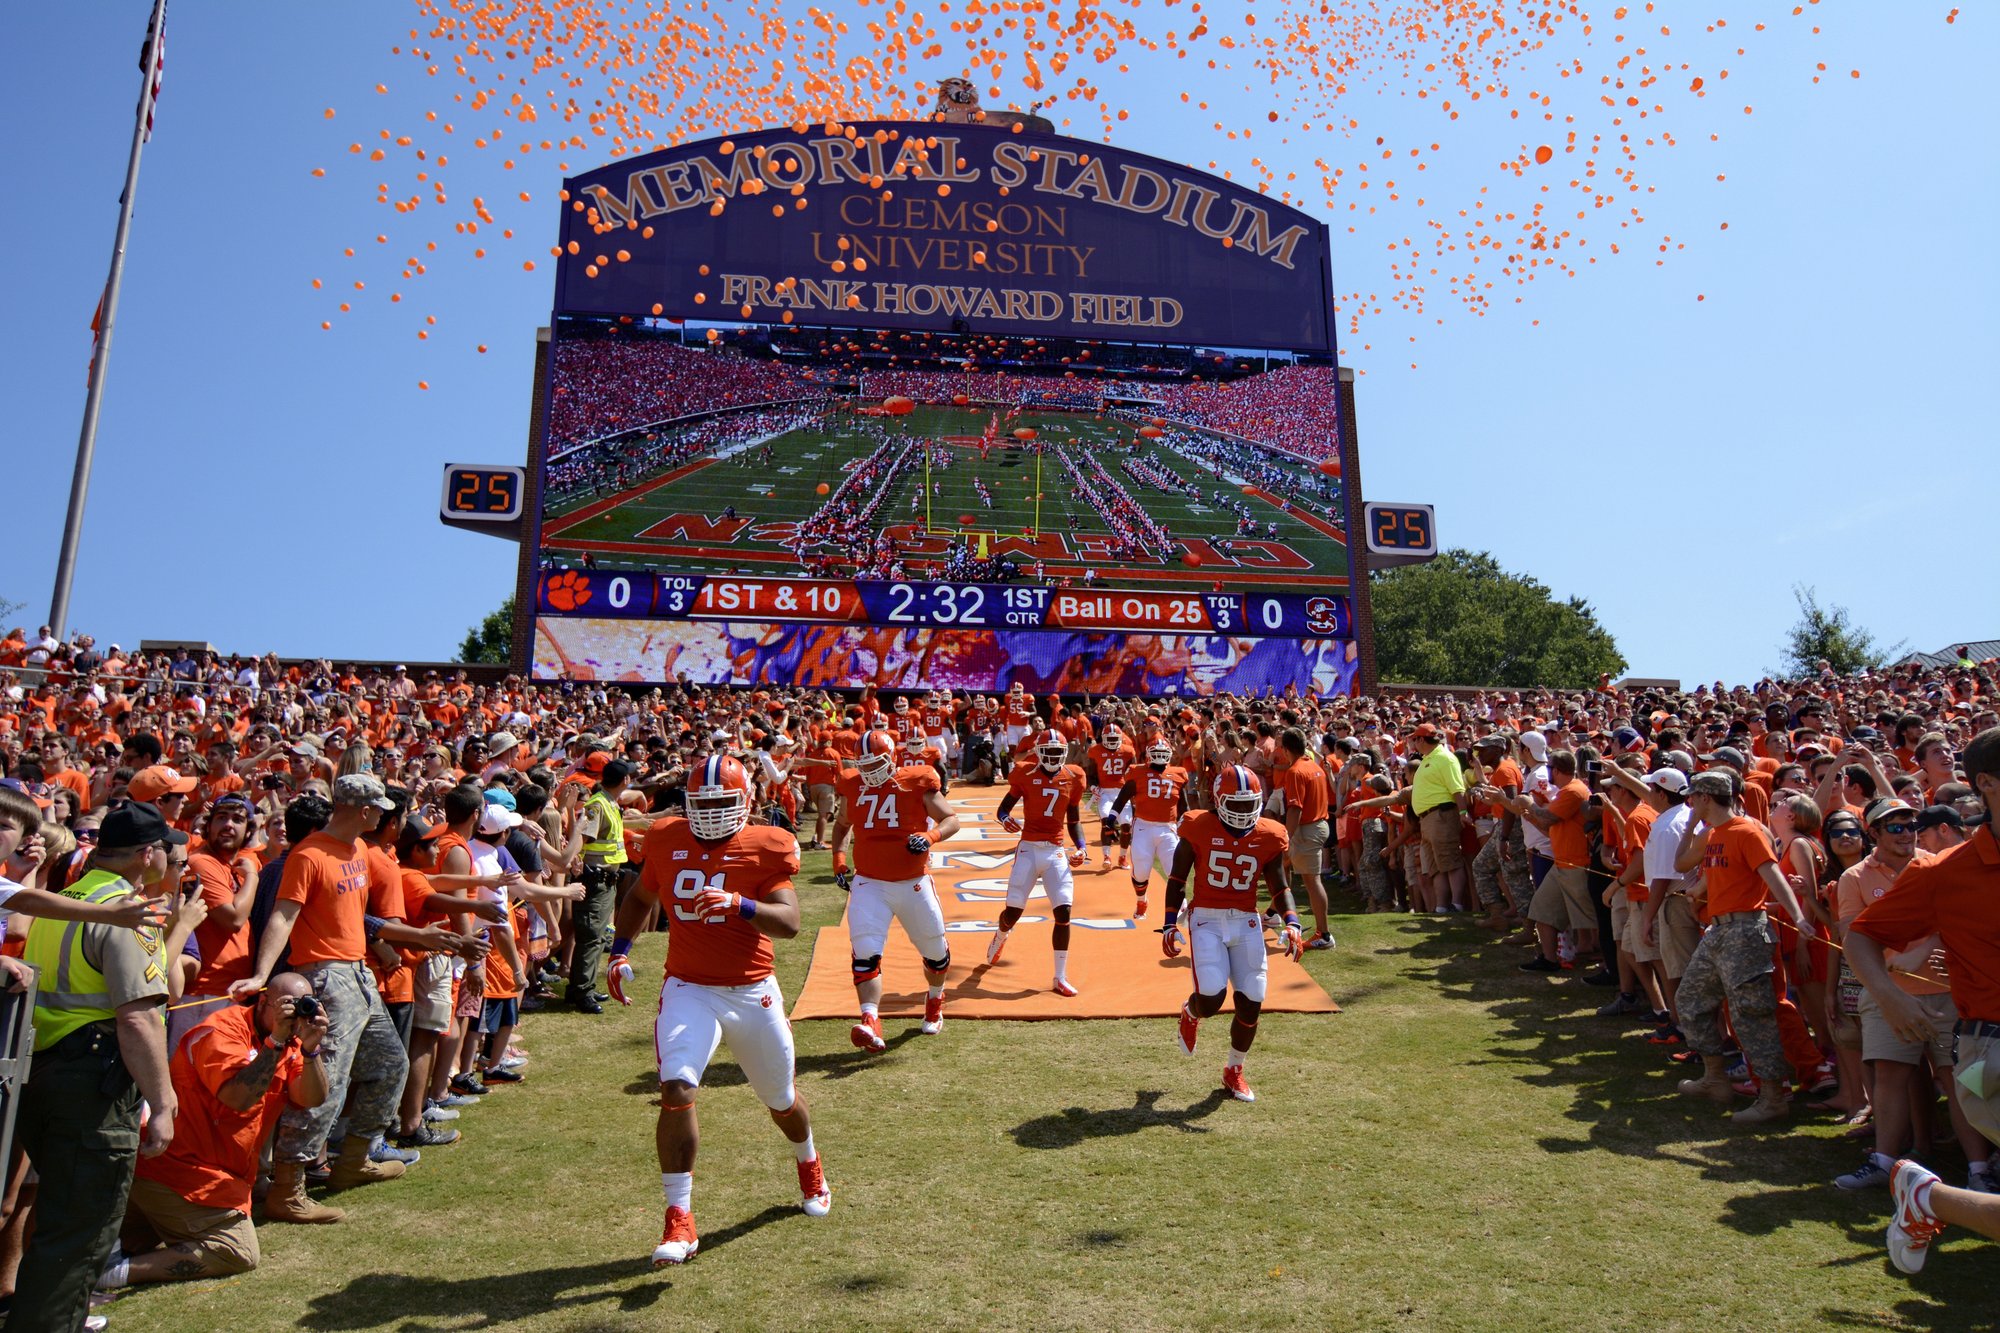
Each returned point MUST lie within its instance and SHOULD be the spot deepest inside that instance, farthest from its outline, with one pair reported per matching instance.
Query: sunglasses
(1900, 827)
(1837, 834)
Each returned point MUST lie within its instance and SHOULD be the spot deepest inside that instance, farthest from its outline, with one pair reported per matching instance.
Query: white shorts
(1227, 948)
(946, 744)
(1153, 844)
(1106, 798)
(914, 902)
(750, 1018)
(1040, 860)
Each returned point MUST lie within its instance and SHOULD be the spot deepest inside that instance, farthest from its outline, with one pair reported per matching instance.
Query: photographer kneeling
(234, 1074)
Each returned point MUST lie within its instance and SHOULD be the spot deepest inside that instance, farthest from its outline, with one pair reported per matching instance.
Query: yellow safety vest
(70, 993)
(608, 847)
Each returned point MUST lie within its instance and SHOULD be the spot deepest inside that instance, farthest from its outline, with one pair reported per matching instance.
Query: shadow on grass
(1622, 1100)
(418, 1304)
(1074, 1125)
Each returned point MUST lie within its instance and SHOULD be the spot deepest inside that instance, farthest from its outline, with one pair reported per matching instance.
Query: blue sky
(1678, 463)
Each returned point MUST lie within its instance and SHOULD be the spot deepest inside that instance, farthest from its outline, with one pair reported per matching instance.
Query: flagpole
(86, 445)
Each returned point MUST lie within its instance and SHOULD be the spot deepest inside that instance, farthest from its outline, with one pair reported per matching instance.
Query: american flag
(151, 96)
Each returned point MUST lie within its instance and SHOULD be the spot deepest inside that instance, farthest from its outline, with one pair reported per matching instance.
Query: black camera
(305, 1008)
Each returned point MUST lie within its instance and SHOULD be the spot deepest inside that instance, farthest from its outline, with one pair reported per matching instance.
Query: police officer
(601, 823)
(100, 1045)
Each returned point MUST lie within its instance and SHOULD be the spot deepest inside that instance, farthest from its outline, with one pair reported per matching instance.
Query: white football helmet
(1159, 754)
(1051, 751)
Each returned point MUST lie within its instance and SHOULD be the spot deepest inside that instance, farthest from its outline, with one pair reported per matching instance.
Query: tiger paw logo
(566, 591)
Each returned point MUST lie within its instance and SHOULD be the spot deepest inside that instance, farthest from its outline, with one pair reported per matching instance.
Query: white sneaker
(439, 1113)
(1982, 1182)
(1911, 1228)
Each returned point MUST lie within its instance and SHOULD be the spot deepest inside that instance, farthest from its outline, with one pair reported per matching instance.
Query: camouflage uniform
(1503, 858)
(362, 1052)
(1732, 965)
(1373, 874)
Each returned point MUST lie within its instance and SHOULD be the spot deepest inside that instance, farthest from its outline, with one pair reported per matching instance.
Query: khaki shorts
(820, 797)
(1563, 900)
(1632, 929)
(1982, 1113)
(1678, 932)
(1440, 826)
(224, 1240)
(1880, 1042)
(430, 994)
(1308, 843)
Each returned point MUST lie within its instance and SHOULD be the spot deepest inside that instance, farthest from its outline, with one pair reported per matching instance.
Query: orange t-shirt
(1305, 787)
(1502, 775)
(385, 899)
(212, 1160)
(1956, 897)
(1737, 849)
(1569, 842)
(1156, 793)
(884, 817)
(757, 861)
(328, 878)
(1046, 799)
(1638, 827)
(1227, 864)
(225, 954)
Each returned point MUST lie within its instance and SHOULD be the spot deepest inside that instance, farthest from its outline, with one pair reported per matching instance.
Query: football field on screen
(1461, 1148)
(678, 523)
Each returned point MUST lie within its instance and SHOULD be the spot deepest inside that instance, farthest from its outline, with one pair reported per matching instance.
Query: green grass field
(1463, 1148)
(786, 491)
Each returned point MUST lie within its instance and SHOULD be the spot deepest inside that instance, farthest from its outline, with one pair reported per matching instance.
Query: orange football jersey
(717, 950)
(1113, 766)
(907, 724)
(1020, 710)
(1045, 799)
(884, 817)
(1156, 793)
(1227, 864)
(935, 720)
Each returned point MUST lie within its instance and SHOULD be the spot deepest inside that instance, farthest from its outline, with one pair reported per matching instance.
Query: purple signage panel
(964, 228)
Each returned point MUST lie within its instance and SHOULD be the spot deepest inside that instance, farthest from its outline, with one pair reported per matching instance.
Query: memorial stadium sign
(967, 228)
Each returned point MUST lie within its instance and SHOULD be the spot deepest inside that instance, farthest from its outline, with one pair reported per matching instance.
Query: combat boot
(353, 1168)
(287, 1201)
(1774, 1102)
(1713, 1083)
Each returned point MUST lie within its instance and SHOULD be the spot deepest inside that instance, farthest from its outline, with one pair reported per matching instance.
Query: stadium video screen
(836, 508)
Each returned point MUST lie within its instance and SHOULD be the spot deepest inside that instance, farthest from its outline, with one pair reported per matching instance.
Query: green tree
(491, 641)
(9, 608)
(1828, 634)
(1463, 620)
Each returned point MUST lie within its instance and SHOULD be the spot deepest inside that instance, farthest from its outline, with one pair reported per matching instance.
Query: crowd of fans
(322, 903)
(1293, 408)
(605, 386)
(608, 466)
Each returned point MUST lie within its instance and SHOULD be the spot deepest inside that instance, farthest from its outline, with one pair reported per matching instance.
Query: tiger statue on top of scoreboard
(958, 104)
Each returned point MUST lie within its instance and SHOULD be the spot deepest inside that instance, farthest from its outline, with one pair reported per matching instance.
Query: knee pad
(867, 969)
(1062, 916)
(939, 964)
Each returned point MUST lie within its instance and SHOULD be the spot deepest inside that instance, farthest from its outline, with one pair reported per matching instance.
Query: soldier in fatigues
(100, 1045)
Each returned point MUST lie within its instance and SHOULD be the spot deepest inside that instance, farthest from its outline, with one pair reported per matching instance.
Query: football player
(906, 720)
(896, 814)
(1228, 849)
(1017, 714)
(728, 888)
(1157, 794)
(1110, 760)
(1052, 789)
(918, 751)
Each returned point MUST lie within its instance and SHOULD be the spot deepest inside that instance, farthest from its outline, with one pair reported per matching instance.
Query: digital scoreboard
(603, 594)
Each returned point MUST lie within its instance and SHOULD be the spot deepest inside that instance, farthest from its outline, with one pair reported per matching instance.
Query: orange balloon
(1544, 154)
(959, 400)
(898, 407)
(1331, 466)
(1191, 560)
(1024, 433)
(1151, 432)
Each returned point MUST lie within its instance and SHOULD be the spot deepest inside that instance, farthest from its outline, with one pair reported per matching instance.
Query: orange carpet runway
(1114, 960)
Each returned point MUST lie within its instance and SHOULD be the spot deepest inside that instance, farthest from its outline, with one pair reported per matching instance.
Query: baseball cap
(150, 784)
(136, 824)
(500, 796)
(1668, 780)
(361, 789)
(1881, 808)
(1729, 755)
(783, 743)
(1536, 744)
(1425, 731)
(1716, 786)
(497, 818)
(1628, 738)
(596, 761)
(1939, 816)
(1493, 742)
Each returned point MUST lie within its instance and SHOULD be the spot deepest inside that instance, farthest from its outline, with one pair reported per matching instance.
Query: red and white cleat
(867, 1034)
(815, 1195)
(1139, 908)
(1236, 1085)
(998, 943)
(933, 1015)
(678, 1243)
(1064, 989)
(1190, 1028)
